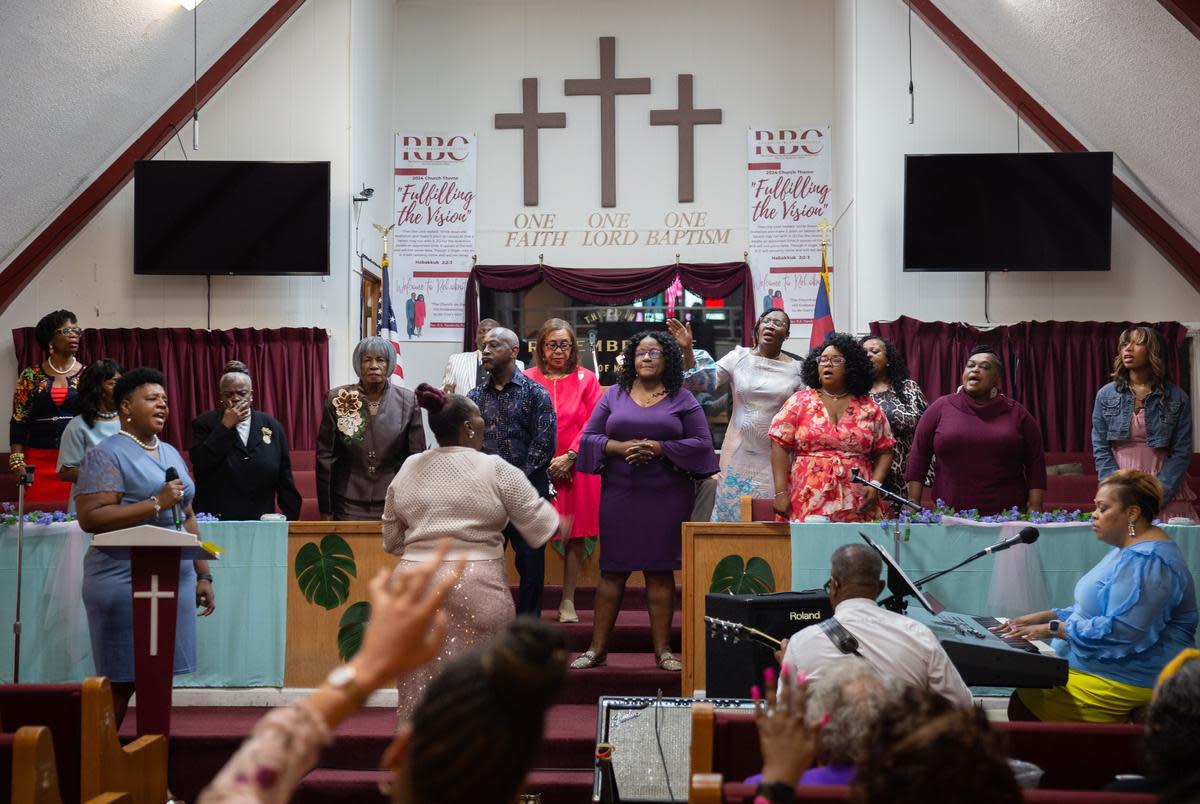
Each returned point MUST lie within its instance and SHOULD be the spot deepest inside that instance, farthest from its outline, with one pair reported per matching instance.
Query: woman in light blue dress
(97, 420)
(761, 379)
(122, 483)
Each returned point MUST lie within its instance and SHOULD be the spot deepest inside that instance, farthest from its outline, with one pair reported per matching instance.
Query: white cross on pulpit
(154, 595)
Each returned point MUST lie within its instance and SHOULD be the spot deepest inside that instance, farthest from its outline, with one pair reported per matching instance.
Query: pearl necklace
(106, 416)
(153, 445)
(57, 370)
(835, 396)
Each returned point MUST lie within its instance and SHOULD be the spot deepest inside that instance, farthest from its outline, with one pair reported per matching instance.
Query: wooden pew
(81, 730)
(28, 770)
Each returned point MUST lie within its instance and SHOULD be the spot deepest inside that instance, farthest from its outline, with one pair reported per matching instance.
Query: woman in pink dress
(825, 432)
(419, 314)
(1143, 421)
(574, 391)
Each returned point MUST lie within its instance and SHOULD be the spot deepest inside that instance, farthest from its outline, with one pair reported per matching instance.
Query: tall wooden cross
(607, 87)
(530, 120)
(687, 118)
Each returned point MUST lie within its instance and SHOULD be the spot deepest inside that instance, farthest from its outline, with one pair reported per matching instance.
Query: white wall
(763, 62)
(290, 102)
(956, 112)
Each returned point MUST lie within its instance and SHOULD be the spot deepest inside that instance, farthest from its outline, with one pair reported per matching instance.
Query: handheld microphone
(173, 474)
(1026, 536)
(855, 477)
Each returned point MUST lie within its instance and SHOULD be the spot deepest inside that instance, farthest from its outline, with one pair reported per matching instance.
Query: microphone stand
(899, 503)
(933, 576)
(27, 480)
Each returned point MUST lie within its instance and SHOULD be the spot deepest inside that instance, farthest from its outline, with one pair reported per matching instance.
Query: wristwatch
(572, 454)
(344, 678)
(1055, 627)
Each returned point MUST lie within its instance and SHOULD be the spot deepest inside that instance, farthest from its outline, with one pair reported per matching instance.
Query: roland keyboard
(985, 660)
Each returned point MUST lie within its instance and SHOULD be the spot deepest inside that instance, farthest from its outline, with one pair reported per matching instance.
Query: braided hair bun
(430, 398)
(234, 367)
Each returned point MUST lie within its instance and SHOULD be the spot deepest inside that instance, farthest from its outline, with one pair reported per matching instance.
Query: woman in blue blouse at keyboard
(1133, 612)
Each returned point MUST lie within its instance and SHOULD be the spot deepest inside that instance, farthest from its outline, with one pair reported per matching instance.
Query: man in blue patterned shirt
(519, 425)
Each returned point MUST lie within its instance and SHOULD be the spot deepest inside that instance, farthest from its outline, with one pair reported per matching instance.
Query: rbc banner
(790, 194)
(434, 237)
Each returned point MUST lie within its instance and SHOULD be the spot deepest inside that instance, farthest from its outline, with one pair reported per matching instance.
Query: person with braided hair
(458, 494)
(475, 733)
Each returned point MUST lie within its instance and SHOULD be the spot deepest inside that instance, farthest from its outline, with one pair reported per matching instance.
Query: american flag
(385, 325)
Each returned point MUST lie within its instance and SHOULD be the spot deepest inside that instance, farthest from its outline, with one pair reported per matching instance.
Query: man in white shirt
(897, 646)
(464, 370)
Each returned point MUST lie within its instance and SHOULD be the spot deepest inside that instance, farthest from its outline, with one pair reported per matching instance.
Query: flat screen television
(201, 217)
(1008, 212)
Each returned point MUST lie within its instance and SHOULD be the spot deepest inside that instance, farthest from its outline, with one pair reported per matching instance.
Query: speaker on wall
(731, 668)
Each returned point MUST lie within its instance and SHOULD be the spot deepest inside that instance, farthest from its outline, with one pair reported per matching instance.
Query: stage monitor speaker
(636, 727)
(732, 668)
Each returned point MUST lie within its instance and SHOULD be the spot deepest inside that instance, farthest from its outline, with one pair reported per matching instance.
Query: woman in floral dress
(367, 431)
(825, 432)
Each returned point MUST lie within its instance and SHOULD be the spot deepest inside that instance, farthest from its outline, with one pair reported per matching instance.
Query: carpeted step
(585, 597)
(630, 635)
(560, 786)
(632, 674)
(323, 785)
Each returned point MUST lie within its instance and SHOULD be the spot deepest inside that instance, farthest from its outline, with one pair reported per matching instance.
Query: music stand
(900, 585)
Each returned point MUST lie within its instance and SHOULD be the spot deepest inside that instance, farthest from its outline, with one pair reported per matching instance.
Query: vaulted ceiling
(80, 81)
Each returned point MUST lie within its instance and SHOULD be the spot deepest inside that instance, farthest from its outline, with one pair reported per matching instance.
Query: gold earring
(1131, 531)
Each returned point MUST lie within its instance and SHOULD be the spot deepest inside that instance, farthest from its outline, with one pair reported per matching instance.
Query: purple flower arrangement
(1014, 514)
(8, 516)
(203, 516)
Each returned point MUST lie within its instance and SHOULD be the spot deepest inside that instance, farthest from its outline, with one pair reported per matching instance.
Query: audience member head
(141, 400)
(499, 349)
(454, 419)
(556, 351)
(235, 384)
(96, 389)
(838, 365)
(982, 374)
(485, 326)
(853, 693)
(58, 333)
(854, 571)
(1140, 348)
(770, 331)
(652, 355)
(1127, 502)
(476, 732)
(886, 363)
(923, 749)
(374, 361)
(1173, 728)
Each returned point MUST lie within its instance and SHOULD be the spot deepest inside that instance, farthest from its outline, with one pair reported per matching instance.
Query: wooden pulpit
(154, 554)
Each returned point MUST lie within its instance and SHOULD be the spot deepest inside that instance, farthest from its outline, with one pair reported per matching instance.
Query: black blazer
(241, 481)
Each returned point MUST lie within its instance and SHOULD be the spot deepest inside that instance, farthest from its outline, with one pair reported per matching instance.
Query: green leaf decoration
(589, 546)
(734, 576)
(351, 628)
(324, 572)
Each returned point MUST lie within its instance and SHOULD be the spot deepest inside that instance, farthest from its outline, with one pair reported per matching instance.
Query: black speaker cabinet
(731, 668)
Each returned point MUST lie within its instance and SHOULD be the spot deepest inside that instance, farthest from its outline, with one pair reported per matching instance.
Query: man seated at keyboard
(895, 645)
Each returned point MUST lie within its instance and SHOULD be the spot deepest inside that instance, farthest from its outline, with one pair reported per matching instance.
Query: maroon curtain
(289, 367)
(1053, 368)
(614, 285)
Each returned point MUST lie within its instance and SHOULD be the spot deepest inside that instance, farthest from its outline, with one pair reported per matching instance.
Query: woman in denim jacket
(1141, 421)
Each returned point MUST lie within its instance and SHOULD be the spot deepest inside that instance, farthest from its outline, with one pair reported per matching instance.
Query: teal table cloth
(1016, 581)
(240, 645)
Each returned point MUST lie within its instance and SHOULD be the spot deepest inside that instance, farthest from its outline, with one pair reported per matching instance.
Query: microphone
(855, 477)
(173, 474)
(1026, 536)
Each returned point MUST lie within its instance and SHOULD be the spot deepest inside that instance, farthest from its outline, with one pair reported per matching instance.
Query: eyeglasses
(831, 361)
(69, 331)
(653, 354)
(558, 346)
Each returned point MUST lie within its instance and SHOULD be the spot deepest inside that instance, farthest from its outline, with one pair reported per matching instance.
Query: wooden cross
(530, 120)
(687, 118)
(154, 595)
(607, 86)
(824, 226)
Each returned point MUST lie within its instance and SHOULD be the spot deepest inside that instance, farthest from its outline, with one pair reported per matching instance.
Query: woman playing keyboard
(1133, 612)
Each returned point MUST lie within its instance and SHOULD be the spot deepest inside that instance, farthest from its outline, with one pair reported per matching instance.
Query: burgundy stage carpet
(205, 737)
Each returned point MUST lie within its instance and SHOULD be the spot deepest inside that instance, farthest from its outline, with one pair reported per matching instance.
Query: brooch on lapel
(266, 435)
(350, 423)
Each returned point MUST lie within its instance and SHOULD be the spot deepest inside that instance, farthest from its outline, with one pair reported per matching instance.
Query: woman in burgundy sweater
(988, 447)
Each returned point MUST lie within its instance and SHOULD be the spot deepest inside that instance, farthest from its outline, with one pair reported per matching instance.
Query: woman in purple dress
(649, 440)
